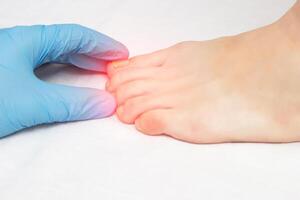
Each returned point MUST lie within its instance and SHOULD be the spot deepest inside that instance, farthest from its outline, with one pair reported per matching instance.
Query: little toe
(154, 122)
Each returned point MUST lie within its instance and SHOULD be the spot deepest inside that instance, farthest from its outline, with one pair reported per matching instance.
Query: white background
(104, 159)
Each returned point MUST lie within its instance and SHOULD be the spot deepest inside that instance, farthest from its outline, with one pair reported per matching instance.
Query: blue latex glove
(27, 101)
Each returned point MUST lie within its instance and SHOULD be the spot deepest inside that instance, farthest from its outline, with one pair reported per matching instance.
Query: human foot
(244, 88)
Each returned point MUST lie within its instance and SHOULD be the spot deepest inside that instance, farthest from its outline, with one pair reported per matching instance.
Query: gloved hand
(27, 101)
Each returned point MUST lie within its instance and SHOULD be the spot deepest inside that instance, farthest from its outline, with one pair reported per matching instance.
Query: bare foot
(244, 88)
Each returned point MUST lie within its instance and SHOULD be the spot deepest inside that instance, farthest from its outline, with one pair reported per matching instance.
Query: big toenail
(122, 63)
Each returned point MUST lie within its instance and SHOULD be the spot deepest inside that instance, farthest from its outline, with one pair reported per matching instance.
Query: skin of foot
(243, 88)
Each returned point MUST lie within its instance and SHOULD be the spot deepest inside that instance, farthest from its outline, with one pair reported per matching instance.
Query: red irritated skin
(244, 88)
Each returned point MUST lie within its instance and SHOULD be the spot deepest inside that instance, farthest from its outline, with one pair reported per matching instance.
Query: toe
(135, 89)
(130, 74)
(112, 67)
(154, 122)
(156, 58)
(148, 60)
(136, 106)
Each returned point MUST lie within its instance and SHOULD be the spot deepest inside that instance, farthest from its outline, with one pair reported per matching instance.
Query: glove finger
(66, 103)
(76, 39)
(54, 103)
(57, 42)
(85, 62)
(40, 44)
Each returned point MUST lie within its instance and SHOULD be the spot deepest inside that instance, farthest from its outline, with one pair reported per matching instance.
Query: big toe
(114, 66)
(154, 59)
(154, 122)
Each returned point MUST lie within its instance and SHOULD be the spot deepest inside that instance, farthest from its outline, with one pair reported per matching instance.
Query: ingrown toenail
(121, 63)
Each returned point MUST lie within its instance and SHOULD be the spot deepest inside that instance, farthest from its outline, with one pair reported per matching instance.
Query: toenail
(121, 63)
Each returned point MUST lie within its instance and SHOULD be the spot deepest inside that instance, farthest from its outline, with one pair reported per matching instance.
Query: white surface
(104, 159)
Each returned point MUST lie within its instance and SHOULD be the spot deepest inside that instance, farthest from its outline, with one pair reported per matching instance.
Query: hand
(27, 101)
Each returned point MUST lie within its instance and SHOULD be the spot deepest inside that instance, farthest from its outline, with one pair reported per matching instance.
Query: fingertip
(114, 50)
(107, 104)
(124, 52)
(98, 106)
